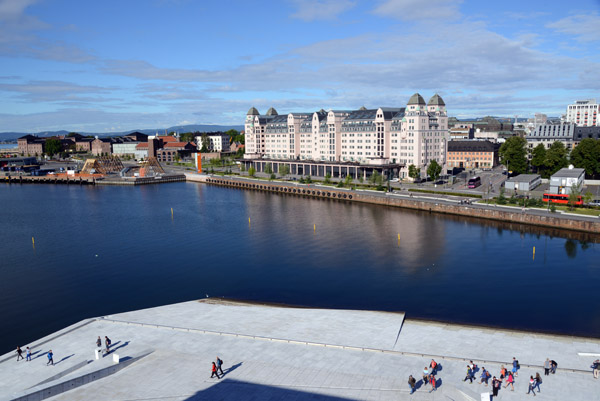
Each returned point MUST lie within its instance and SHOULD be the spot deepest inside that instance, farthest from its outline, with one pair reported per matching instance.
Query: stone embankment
(429, 203)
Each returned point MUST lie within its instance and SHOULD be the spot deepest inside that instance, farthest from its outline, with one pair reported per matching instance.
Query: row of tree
(546, 162)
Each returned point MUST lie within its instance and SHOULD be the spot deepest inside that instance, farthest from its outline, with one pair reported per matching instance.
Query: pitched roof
(142, 145)
(436, 100)
(178, 144)
(416, 99)
(252, 112)
(168, 138)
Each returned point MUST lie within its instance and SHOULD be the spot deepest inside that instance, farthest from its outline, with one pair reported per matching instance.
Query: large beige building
(374, 139)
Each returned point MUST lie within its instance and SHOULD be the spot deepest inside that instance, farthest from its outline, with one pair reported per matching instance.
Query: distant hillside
(12, 136)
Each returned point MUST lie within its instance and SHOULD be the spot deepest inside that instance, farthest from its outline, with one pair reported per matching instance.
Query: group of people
(107, 343)
(216, 368)
(27, 358)
(506, 375)
(428, 377)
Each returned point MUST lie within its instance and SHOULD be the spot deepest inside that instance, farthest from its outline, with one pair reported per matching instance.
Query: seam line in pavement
(348, 347)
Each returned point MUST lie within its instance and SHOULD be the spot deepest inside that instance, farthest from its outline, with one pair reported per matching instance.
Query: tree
(205, 143)
(556, 158)
(574, 195)
(251, 171)
(187, 137)
(272, 177)
(586, 155)
(348, 180)
(327, 178)
(538, 158)
(414, 172)
(284, 170)
(434, 170)
(53, 146)
(268, 168)
(514, 155)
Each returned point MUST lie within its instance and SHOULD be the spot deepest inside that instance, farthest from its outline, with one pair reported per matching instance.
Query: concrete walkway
(275, 353)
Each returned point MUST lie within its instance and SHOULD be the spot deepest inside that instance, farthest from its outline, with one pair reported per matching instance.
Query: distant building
(84, 144)
(461, 133)
(137, 137)
(582, 133)
(141, 151)
(563, 180)
(547, 134)
(584, 113)
(355, 142)
(171, 151)
(472, 154)
(217, 142)
(30, 145)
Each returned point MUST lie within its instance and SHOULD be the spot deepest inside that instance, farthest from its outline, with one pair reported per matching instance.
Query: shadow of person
(64, 359)
(439, 367)
(438, 383)
(231, 369)
(36, 352)
(125, 344)
(418, 384)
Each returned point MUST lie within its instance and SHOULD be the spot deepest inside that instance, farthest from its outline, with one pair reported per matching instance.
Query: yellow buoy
(314, 227)
(533, 253)
(33, 240)
(171, 212)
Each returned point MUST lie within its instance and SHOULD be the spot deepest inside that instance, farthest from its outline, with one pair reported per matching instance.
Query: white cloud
(410, 10)
(313, 10)
(586, 28)
(56, 91)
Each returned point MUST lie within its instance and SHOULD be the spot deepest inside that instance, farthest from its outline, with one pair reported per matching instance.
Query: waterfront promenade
(279, 353)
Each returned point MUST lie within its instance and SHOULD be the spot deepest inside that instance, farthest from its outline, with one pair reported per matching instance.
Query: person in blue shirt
(50, 360)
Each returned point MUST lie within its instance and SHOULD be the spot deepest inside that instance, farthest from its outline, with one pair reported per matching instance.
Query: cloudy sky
(102, 66)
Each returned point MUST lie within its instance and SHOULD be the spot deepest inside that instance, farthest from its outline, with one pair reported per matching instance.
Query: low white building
(126, 148)
(523, 182)
(564, 179)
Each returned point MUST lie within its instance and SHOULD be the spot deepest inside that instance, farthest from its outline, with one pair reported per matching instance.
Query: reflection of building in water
(326, 227)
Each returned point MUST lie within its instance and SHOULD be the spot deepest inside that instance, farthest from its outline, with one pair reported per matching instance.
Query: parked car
(419, 180)
(395, 180)
(595, 202)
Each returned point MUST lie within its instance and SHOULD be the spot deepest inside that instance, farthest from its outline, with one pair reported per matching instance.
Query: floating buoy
(171, 213)
(314, 227)
(533, 258)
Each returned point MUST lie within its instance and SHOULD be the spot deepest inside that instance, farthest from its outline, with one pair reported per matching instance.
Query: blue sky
(119, 65)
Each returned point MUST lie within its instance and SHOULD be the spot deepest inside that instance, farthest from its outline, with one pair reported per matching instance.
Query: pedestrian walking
(495, 386)
(214, 371)
(596, 368)
(50, 358)
(553, 366)
(515, 368)
(531, 385)
(412, 383)
(28, 355)
(219, 364)
(509, 381)
(502, 372)
(432, 382)
(538, 381)
(99, 342)
(469, 375)
(433, 367)
(19, 353)
(425, 375)
(107, 343)
(485, 375)
(547, 367)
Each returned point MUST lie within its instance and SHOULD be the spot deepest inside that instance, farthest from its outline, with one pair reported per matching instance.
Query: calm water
(101, 250)
(8, 145)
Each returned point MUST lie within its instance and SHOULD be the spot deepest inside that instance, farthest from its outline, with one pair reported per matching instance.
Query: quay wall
(489, 213)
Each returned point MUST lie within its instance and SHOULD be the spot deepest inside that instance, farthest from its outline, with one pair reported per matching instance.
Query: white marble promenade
(275, 353)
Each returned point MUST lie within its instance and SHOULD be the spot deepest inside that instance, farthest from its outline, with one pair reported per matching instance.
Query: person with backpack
(596, 368)
(412, 383)
(19, 353)
(515, 367)
(553, 366)
(469, 375)
(485, 375)
(433, 366)
(219, 364)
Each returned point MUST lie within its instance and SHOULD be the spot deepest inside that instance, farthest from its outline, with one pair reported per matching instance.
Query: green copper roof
(436, 100)
(272, 112)
(252, 112)
(416, 99)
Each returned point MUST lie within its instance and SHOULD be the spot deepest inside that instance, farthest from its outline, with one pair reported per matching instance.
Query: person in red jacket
(214, 371)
